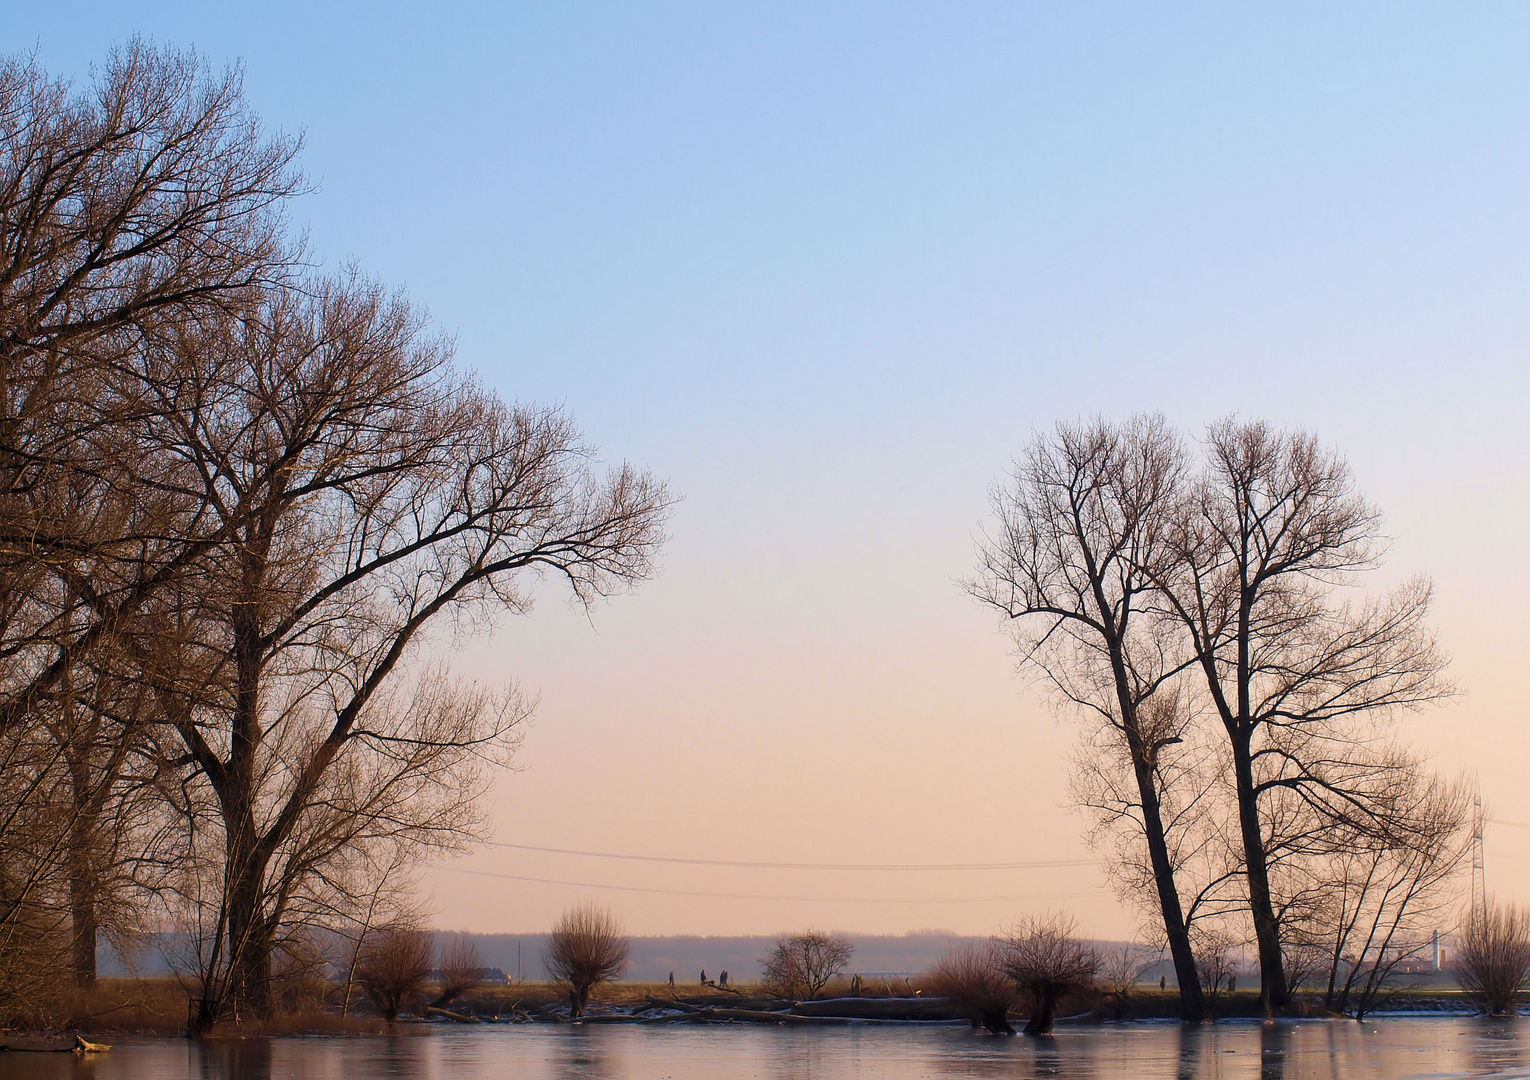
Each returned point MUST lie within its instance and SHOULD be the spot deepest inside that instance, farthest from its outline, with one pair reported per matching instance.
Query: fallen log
(759, 1016)
(672, 1003)
(857, 1008)
(447, 1014)
(37, 1044)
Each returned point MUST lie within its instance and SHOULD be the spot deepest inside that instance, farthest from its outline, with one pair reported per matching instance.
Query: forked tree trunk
(1044, 1013)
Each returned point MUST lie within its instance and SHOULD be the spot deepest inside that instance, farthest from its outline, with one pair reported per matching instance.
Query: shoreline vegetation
(157, 1008)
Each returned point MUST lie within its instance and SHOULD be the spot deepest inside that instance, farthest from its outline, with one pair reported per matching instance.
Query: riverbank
(158, 1007)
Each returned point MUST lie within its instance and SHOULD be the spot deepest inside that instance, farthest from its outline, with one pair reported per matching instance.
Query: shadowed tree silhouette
(799, 966)
(1047, 961)
(394, 967)
(588, 947)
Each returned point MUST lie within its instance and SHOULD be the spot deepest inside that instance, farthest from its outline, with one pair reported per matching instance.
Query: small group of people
(721, 983)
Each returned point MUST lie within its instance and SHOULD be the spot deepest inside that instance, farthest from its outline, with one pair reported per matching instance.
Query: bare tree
(1046, 959)
(1081, 525)
(587, 947)
(1382, 896)
(973, 979)
(384, 902)
(145, 201)
(395, 965)
(1493, 958)
(1214, 947)
(461, 970)
(1298, 681)
(370, 494)
(800, 965)
(1120, 969)
(252, 500)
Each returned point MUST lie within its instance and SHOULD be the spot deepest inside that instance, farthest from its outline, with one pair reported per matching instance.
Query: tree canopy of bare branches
(800, 965)
(587, 947)
(460, 968)
(1371, 903)
(127, 212)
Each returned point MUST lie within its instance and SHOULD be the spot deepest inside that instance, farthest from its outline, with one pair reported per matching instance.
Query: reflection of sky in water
(1311, 1050)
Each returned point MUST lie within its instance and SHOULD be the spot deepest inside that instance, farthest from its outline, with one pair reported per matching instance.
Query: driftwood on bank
(57, 1044)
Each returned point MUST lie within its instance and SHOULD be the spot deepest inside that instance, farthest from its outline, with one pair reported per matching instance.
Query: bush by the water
(973, 979)
(1494, 957)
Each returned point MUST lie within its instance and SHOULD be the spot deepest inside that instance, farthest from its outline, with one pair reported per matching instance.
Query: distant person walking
(722, 980)
(672, 978)
(703, 976)
(1163, 981)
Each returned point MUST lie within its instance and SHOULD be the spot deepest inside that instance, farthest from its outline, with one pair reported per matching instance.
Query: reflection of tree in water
(1498, 1045)
(1192, 1050)
(798, 1053)
(402, 1055)
(584, 1054)
(233, 1059)
(1074, 1055)
(1274, 1047)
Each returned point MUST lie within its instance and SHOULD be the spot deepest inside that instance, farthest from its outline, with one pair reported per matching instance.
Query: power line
(1050, 864)
(800, 899)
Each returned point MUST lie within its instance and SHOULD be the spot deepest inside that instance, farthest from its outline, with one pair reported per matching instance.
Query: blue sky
(826, 267)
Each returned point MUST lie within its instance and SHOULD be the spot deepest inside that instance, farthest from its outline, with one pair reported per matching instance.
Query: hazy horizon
(827, 272)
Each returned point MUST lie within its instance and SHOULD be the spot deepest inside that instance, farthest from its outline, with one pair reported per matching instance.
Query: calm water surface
(1387, 1048)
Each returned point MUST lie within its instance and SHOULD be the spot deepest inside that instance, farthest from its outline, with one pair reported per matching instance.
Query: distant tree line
(239, 501)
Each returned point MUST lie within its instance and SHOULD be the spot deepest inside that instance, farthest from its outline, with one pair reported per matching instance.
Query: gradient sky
(826, 268)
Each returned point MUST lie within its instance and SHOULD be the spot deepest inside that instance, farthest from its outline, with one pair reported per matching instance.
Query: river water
(1390, 1048)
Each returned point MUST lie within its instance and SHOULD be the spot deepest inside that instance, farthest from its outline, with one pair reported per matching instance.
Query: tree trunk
(1043, 1014)
(82, 906)
(1192, 1003)
(249, 944)
(996, 1021)
(84, 877)
(1273, 994)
